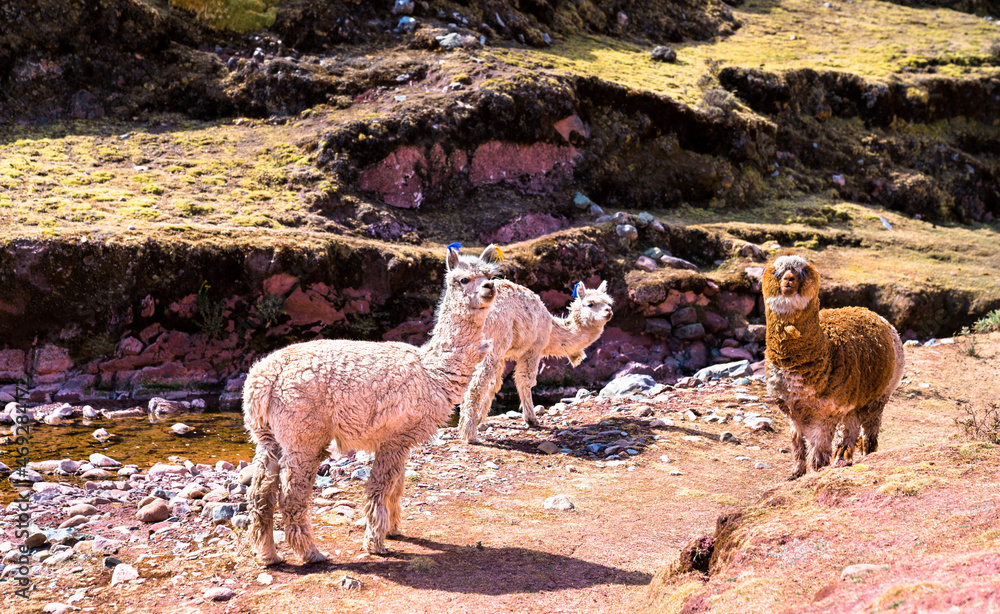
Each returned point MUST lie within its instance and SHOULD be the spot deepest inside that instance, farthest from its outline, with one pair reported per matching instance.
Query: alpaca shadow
(480, 569)
(564, 437)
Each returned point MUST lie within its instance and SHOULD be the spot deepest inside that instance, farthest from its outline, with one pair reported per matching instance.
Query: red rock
(534, 167)
(396, 178)
(12, 364)
(568, 125)
(280, 284)
(184, 307)
(51, 359)
(524, 227)
(309, 307)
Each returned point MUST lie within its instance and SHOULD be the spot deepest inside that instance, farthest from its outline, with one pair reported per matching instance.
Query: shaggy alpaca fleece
(826, 367)
(380, 397)
(523, 331)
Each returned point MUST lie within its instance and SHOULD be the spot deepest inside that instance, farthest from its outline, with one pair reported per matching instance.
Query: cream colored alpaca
(826, 367)
(380, 397)
(523, 330)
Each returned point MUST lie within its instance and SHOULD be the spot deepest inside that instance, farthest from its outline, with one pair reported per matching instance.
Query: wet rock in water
(123, 573)
(69, 466)
(101, 435)
(23, 474)
(154, 511)
(89, 412)
(181, 429)
(219, 593)
(663, 54)
(559, 503)
(547, 447)
(159, 408)
(96, 474)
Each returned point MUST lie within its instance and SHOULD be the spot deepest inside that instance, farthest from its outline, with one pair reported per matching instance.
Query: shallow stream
(217, 435)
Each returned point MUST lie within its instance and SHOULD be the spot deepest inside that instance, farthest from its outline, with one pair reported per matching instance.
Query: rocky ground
(598, 508)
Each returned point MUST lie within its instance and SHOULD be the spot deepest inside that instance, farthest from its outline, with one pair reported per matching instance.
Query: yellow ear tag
(499, 254)
(792, 332)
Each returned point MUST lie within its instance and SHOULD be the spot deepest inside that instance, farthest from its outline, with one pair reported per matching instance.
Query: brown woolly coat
(846, 355)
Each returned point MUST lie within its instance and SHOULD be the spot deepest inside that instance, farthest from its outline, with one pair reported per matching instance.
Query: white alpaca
(381, 397)
(524, 331)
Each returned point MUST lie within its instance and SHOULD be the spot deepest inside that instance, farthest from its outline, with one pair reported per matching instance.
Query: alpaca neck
(570, 337)
(796, 340)
(455, 347)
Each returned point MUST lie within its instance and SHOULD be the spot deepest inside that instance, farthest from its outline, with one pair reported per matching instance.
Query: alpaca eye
(463, 281)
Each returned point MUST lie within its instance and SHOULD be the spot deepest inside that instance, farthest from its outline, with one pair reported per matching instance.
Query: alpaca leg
(394, 502)
(819, 444)
(799, 453)
(389, 464)
(477, 396)
(525, 377)
(871, 422)
(298, 474)
(262, 497)
(844, 454)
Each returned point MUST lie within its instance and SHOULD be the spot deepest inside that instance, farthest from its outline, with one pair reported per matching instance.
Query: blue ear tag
(455, 246)
(576, 289)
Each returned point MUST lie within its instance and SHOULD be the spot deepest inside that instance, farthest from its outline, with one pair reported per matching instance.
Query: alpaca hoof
(798, 473)
(375, 548)
(843, 462)
(315, 557)
(269, 561)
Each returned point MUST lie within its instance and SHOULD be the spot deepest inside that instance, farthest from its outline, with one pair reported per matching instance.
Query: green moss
(234, 15)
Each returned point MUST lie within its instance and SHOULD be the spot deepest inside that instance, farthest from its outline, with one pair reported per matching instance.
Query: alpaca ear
(452, 259)
(492, 254)
(579, 290)
(603, 287)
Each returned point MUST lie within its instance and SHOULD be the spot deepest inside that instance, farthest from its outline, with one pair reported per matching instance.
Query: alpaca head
(470, 277)
(591, 307)
(789, 284)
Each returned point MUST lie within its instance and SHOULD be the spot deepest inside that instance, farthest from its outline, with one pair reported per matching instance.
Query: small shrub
(981, 424)
(209, 317)
(268, 311)
(988, 324)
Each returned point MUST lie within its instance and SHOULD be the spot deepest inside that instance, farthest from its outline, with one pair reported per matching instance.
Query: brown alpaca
(524, 331)
(826, 367)
(381, 397)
